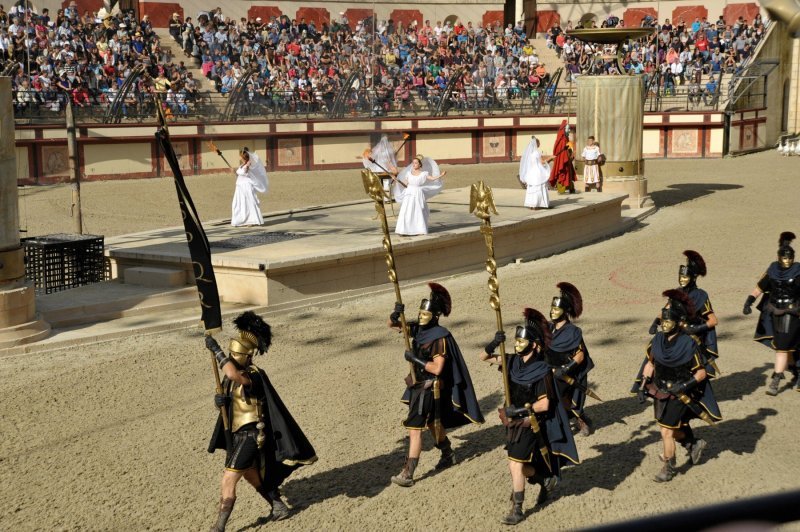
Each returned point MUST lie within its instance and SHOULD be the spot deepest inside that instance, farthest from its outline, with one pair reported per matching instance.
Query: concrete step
(24, 333)
(155, 277)
(153, 322)
(111, 300)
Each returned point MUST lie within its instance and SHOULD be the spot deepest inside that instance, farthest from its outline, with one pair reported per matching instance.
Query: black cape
(765, 331)
(462, 408)
(561, 442)
(676, 353)
(286, 447)
(702, 304)
(568, 339)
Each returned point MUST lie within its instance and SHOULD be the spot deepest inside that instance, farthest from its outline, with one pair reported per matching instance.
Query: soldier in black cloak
(779, 322)
(568, 356)
(703, 326)
(674, 375)
(263, 443)
(440, 395)
(532, 457)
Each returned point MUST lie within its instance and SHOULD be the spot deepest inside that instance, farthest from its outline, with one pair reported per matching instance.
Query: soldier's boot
(225, 509)
(667, 472)
(406, 476)
(515, 515)
(585, 426)
(696, 450)
(448, 457)
(547, 487)
(279, 509)
(774, 383)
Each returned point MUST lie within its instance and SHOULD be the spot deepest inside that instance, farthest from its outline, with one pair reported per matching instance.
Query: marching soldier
(263, 443)
(779, 323)
(568, 356)
(439, 392)
(674, 375)
(538, 436)
(703, 326)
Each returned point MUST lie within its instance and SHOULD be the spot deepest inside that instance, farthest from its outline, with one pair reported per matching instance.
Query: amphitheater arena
(752, 111)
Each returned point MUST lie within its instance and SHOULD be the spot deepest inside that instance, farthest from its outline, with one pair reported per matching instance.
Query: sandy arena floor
(113, 436)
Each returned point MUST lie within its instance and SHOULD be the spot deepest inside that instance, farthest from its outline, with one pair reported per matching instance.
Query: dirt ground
(113, 436)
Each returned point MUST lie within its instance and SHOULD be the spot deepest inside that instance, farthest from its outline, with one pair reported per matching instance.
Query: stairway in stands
(193, 66)
(551, 60)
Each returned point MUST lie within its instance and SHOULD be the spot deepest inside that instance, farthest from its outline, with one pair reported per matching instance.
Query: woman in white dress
(534, 174)
(416, 184)
(251, 177)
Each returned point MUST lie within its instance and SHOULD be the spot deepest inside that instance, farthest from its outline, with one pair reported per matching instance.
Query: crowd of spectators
(299, 66)
(681, 53)
(53, 58)
(295, 66)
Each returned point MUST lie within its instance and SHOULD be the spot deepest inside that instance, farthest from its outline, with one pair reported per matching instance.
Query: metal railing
(44, 108)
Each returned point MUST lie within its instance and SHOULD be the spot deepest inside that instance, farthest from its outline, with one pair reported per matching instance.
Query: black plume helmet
(785, 248)
(254, 329)
(695, 265)
(681, 307)
(570, 300)
(537, 327)
(439, 301)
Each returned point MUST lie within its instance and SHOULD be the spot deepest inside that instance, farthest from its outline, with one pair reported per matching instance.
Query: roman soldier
(263, 443)
(674, 375)
(779, 322)
(439, 390)
(703, 325)
(538, 437)
(568, 356)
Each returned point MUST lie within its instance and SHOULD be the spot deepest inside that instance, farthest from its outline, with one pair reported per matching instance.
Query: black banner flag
(199, 249)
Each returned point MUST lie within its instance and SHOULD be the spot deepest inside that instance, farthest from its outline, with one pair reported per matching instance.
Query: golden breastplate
(245, 409)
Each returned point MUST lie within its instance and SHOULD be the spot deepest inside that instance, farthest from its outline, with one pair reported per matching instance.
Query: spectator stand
(238, 103)
(445, 98)
(343, 95)
(117, 106)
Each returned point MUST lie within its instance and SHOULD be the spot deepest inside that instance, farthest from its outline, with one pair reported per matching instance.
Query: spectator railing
(34, 107)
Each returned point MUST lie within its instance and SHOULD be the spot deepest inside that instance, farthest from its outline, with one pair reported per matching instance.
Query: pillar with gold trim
(18, 320)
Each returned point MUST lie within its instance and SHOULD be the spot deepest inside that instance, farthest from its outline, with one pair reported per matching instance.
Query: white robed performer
(381, 159)
(415, 184)
(591, 169)
(251, 177)
(534, 174)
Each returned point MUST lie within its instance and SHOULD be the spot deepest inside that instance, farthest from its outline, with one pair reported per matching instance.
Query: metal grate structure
(63, 261)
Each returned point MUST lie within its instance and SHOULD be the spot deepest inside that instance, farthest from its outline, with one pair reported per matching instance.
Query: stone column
(611, 109)
(18, 320)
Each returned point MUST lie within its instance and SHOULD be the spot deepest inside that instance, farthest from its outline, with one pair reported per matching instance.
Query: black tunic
(529, 382)
(675, 361)
(458, 405)
(779, 324)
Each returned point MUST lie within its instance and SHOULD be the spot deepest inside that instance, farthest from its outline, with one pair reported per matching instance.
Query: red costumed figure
(562, 173)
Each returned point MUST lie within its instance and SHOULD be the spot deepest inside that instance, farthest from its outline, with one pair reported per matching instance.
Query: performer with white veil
(251, 177)
(381, 159)
(534, 174)
(415, 184)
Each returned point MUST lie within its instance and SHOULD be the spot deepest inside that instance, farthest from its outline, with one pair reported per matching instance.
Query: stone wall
(129, 151)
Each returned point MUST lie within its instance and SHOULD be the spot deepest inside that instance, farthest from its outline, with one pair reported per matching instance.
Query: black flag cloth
(199, 249)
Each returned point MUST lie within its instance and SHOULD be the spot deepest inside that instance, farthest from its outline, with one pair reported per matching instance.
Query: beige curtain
(610, 108)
